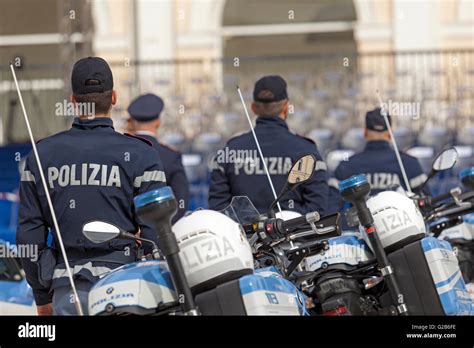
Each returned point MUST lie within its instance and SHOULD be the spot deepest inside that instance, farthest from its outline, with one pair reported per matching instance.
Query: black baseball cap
(375, 121)
(91, 68)
(273, 84)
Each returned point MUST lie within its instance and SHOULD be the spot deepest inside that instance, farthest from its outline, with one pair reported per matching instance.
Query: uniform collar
(144, 132)
(148, 136)
(271, 121)
(92, 123)
(377, 145)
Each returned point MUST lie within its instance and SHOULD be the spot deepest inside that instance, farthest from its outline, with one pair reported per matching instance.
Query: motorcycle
(357, 274)
(450, 217)
(415, 274)
(342, 274)
(162, 282)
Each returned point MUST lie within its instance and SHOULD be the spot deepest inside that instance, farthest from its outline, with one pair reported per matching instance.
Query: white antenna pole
(394, 143)
(77, 302)
(258, 147)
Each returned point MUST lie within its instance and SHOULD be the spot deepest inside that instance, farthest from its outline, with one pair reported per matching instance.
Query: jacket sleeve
(336, 203)
(148, 177)
(32, 230)
(316, 191)
(179, 184)
(220, 194)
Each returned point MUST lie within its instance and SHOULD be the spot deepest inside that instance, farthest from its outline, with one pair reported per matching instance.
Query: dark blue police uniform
(92, 173)
(238, 170)
(379, 163)
(147, 108)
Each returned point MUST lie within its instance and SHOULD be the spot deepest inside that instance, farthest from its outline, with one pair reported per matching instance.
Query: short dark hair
(268, 109)
(102, 101)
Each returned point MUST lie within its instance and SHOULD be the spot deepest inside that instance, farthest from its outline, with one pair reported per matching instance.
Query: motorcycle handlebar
(324, 230)
(463, 204)
(465, 209)
(273, 229)
(429, 205)
(467, 196)
(300, 220)
(440, 197)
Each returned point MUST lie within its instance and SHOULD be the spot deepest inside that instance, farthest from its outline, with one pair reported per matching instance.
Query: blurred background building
(334, 54)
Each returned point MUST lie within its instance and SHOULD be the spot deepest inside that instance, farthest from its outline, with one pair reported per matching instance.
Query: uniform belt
(118, 256)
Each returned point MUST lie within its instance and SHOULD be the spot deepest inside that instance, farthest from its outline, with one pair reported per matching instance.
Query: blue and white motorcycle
(451, 218)
(390, 266)
(203, 265)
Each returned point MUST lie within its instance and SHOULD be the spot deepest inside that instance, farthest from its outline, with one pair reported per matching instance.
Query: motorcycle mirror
(302, 170)
(99, 231)
(445, 160)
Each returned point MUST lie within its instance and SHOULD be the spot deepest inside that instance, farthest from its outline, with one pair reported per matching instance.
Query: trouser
(63, 298)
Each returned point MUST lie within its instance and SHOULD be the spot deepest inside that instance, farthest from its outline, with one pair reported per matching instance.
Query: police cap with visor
(375, 121)
(146, 108)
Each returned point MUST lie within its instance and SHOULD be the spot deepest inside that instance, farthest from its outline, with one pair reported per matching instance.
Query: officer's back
(378, 162)
(92, 173)
(145, 113)
(238, 169)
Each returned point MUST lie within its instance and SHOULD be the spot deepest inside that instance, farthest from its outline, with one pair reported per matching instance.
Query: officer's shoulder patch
(146, 141)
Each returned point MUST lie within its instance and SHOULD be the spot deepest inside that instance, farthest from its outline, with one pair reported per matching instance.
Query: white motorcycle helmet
(213, 249)
(397, 219)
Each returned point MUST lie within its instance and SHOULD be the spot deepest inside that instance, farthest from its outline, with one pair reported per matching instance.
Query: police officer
(378, 162)
(145, 115)
(92, 173)
(238, 170)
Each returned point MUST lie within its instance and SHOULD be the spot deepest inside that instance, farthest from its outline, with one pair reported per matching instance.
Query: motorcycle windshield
(241, 210)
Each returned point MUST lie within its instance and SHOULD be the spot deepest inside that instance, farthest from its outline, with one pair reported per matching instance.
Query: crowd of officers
(93, 172)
